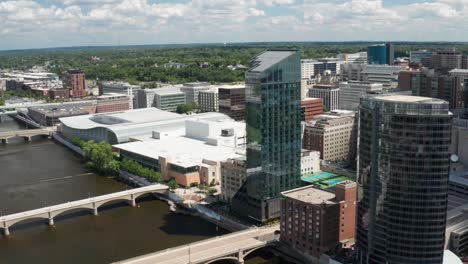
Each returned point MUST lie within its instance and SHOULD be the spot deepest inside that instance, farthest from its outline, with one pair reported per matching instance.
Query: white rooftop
(310, 194)
(407, 99)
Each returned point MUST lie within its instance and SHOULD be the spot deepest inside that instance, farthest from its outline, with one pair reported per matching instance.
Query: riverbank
(174, 200)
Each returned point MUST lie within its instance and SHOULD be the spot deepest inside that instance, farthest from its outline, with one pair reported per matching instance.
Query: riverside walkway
(90, 204)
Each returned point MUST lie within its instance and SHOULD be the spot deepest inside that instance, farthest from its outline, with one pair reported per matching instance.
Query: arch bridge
(90, 204)
(27, 134)
(235, 246)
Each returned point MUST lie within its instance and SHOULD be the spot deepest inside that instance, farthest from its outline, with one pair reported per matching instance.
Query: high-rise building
(75, 82)
(314, 221)
(330, 94)
(145, 97)
(445, 61)
(333, 135)
(273, 119)
(403, 175)
(232, 101)
(418, 55)
(390, 53)
(377, 54)
(351, 93)
(233, 175)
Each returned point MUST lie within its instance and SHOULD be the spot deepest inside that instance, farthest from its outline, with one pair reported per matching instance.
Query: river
(43, 173)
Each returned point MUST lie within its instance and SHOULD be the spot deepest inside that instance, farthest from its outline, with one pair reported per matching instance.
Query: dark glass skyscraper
(377, 54)
(403, 172)
(273, 119)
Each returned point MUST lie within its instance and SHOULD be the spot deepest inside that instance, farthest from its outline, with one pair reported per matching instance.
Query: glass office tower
(378, 54)
(273, 119)
(403, 173)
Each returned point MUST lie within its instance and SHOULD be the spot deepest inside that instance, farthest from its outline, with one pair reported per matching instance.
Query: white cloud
(278, 2)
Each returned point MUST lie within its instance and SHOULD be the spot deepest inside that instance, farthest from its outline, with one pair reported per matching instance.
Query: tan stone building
(333, 134)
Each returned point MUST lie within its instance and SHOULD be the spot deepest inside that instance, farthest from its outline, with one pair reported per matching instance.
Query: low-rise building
(310, 162)
(121, 88)
(145, 98)
(208, 101)
(315, 221)
(330, 94)
(232, 101)
(387, 75)
(351, 93)
(113, 102)
(75, 82)
(167, 99)
(49, 115)
(333, 134)
(193, 89)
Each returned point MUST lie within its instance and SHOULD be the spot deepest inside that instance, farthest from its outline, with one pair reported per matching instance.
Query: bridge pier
(240, 256)
(95, 211)
(51, 221)
(5, 140)
(133, 202)
(6, 231)
(28, 138)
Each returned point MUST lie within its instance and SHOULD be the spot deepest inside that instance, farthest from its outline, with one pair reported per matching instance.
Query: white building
(310, 162)
(353, 57)
(352, 71)
(312, 67)
(208, 101)
(145, 98)
(329, 93)
(462, 74)
(121, 88)
(193, 89)
(351, 93)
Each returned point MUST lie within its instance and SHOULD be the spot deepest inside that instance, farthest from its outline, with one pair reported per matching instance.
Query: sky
(65, 23)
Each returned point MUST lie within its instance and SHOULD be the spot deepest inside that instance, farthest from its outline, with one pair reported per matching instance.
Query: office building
(121, 88)
(377, 54)
(145, 97)
(273, 118)
(192, 90)
(403, 173)
(329, 93)
(387, 75)
(310, 162)
(461, 74)
(430, 84)
(311, 107)
(315, 221)
(169, 98)
(333, 135)
(445, 61)
(112, 103)
(456, 234)
(390, 53)
(75, 82)
(351, 93)
(208, 100)
(310, 68)
(359, 57)
(418, 55)
(232, 101)
(353, 71)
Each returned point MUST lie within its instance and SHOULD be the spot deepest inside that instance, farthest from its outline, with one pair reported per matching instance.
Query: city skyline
(64, 23)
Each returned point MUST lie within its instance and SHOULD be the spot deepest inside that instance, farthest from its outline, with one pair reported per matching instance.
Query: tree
(187, 108)
(2, 102)
(100, 158)
(139, 170)
(173, 184)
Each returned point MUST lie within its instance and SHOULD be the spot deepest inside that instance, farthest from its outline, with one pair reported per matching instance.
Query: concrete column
(95, 211)
(133, 202)
(51, 221)
(240, 256)
(6, 231)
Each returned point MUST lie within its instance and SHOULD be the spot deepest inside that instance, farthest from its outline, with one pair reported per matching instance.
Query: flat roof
(310, 194)
(408, 99)
(181, 150)
(168, 90)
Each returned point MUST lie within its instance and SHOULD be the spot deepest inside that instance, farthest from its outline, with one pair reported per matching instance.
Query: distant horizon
(237, 43)
(38, 24)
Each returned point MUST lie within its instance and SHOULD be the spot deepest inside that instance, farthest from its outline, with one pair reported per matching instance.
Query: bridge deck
(208, 249)
(77, 204)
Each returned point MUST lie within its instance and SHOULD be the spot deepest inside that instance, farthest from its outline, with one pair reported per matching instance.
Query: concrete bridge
(90, 204)
(26, 134)
(235, 246)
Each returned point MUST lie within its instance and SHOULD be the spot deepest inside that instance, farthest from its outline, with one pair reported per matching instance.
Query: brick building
(113, 103)
(61, 93)
(315, 221)
(311, 107)
(74, 81)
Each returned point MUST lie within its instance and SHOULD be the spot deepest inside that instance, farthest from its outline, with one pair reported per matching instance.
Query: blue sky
(59, 23)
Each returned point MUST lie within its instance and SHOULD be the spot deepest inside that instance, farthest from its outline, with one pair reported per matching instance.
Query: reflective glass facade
(403, 170)
(273, 119)
(377, 54)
